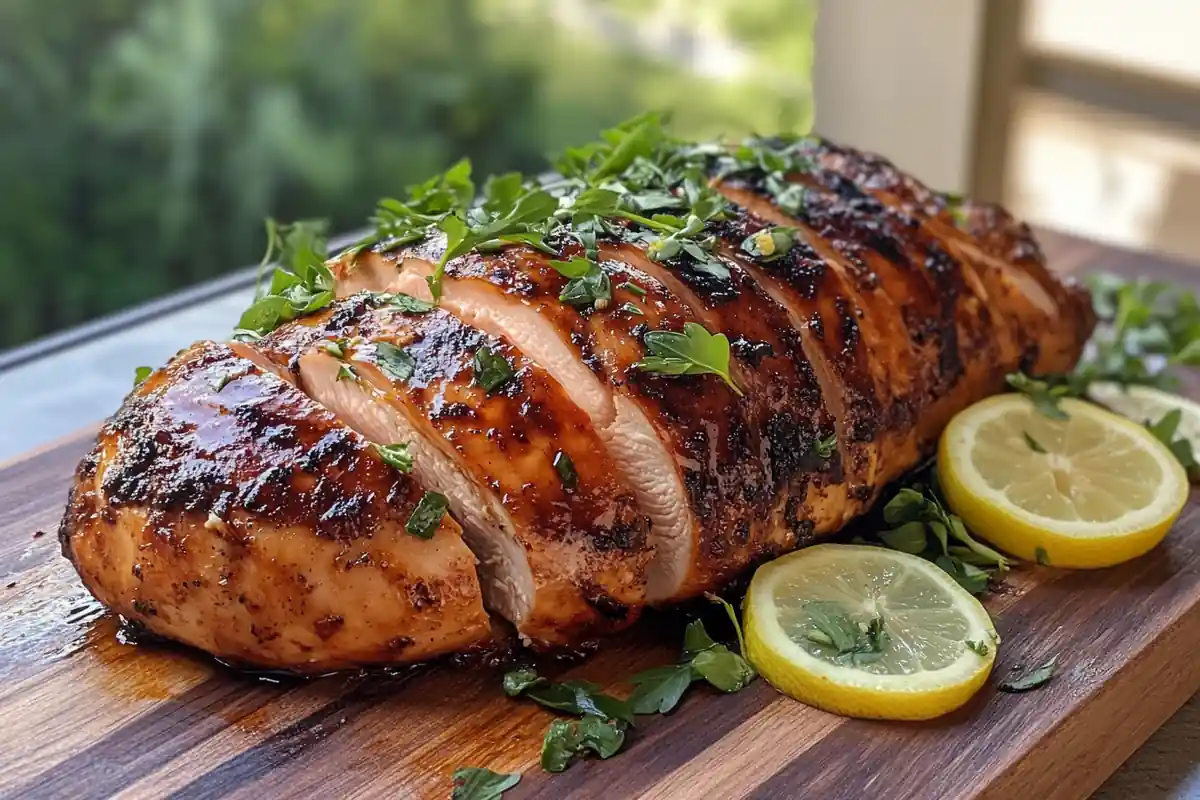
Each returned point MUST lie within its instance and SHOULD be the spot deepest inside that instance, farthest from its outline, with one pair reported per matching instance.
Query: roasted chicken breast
(240, 500)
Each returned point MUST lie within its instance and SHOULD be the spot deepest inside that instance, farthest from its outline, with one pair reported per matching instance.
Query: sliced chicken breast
(224, 509)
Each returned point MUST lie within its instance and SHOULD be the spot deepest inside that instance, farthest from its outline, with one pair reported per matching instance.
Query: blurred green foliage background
(143, 141)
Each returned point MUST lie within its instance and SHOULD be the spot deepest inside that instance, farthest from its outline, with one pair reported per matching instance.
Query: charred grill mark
(241, 450)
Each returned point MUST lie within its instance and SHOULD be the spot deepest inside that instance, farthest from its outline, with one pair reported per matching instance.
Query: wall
(899, 78)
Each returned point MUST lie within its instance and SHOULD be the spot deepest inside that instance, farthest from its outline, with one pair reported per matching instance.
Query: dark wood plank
(87, 716)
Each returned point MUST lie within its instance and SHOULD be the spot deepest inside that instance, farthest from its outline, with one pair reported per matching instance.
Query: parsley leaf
(565, 741)
(1165, 429)
(396, 363)
(301, 284)
(510, 215)
(922, 526)
(519, 680)
(1045, 396)
(695, 351)
(588, 285)
(427, 516)
(660, 689)
(1041, 557)
(405, 302)
(826, 447)
(140, 374)
(1020, 681)
(396, 456)
(476, 783)
(977, 647)
(769, 244)
(571, 697)
(565, 468)
(491, 370)
(840, 638)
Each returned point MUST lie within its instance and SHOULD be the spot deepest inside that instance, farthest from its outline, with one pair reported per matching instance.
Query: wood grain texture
(87, 716)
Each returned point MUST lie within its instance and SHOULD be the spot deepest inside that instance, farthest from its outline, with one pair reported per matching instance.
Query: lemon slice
(867, 632)
(1089, 491)
(1146, 404)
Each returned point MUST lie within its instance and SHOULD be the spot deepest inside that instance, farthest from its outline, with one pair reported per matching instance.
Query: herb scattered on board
(476, 783)
(567, 740)
(570, 697)
(603, 720)
(1020, 680)
(695, 351)
(140, 374)
(659, 689)
(396, 456)
(427, 516)
(1181, 447)
(1146, 329)
(922, 526)
(301, 283)
(491, 370)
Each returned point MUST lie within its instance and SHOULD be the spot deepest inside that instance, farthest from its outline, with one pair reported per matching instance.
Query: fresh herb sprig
(922, 526)
(1021, 680)
(659, 689)
(1165, 431)
(841, 638)
(695, 351)
(301, 283)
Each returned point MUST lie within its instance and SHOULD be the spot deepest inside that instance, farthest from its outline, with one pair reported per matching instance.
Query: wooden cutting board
(84, 715)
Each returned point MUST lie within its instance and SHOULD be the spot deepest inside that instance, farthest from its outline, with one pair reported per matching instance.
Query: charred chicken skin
(278, 500)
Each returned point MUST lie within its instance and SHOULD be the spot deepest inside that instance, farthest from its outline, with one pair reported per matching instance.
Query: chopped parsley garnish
(395, 362)
(301, 283)
(633, 288)
(977, 647)
(565, 468)
(826, 447)
(921, 525)
(491, 370)
(427, 516)
(1020, 680)
(334, 347)
(1033, 443)
(567, 740)
(769, 244)
(588, 286)
(346, 372)
(845, 641)
(1165, 429)
(404, 302)
(1045, 396)
(1041, 557)
(396, 456)
(476, 783)
(518, 680)
(695, 351)
(631, 310)
(659, 690)
(140, 374)
(570, 697)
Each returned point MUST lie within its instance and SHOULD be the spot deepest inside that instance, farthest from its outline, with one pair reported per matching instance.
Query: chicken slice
(562, 545)
(224, 509)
